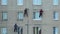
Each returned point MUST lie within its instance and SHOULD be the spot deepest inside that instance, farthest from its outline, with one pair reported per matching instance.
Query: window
(4, 16)
(20, 15)
(20, 30)
(55, 2)
(36, 16)
(55, 15)
(3, 2)
(36, 30)
(37, 2)
(55, 30)
(3, 30)
(19, 2)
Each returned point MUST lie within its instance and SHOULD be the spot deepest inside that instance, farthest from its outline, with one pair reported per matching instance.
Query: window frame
(20, 4)
(18, 16)
(35, 3)
(4, 3)
(36, 30)
(55, 15)
(4, 30)
(34, 17)
(55, 3)
(3, 17)
(55, 30)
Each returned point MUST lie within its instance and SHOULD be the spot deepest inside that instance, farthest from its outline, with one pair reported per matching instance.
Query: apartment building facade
(11, 13)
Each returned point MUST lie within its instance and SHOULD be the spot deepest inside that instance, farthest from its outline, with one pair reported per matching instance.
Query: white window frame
(4, 2)
(37, 2)
(19, 2)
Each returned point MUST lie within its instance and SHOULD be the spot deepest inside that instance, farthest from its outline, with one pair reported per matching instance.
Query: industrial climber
(41, 13)
(15, 27)
(25, 12)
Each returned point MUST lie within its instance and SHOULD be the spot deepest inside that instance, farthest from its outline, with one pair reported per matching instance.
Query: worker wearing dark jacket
(41, 13)
(15, 27)
(25, 12)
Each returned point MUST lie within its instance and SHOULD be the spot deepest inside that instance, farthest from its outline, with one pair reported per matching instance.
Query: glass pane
(37, 15)
(21, 30)
(19, 2)
(56, 15)
(38, 29)
(4, 2)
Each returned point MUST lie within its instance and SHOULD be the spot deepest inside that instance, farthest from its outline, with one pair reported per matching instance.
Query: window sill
(36, 5)
(55, 19)
(19, 19)
(19, 5)
(55, 5)
(3, 5)
(36, 19)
